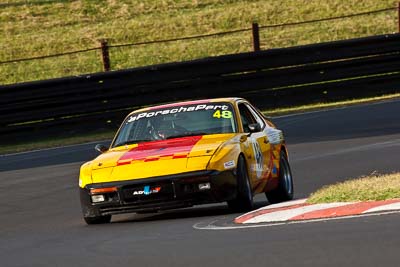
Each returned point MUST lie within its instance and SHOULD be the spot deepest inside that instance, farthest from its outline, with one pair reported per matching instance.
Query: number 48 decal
(226, 114)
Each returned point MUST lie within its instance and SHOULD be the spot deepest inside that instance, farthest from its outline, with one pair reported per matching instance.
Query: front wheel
(284, 191)
(244, 197)
(98, 219)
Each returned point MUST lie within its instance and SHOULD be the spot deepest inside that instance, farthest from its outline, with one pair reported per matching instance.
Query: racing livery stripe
(155, 150)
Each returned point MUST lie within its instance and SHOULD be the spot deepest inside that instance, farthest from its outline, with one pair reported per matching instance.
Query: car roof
(192, 102)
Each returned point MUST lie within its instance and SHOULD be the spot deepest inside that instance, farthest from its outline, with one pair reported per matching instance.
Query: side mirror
(101, 148)
(254, 127)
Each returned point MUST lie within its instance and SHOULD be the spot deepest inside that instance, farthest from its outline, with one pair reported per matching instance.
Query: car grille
(145, 193)
(133, 207)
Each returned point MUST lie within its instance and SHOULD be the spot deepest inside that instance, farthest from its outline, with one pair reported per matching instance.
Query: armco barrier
(270, 78)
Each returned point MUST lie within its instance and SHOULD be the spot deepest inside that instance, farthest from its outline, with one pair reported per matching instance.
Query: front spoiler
(180, 190)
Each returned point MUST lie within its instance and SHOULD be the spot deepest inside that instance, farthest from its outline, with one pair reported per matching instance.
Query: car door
(258, 149)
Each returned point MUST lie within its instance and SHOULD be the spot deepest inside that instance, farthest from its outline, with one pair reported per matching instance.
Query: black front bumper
(161, 193)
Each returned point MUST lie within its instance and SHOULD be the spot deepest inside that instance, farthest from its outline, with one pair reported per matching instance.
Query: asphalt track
(41, 221)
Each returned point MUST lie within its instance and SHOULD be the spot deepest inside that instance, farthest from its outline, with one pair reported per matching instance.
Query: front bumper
(160, 193)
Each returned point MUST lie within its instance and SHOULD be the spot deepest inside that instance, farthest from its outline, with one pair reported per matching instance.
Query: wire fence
(120, 56)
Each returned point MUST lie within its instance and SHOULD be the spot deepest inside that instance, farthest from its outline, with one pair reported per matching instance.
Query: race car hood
(157, 158)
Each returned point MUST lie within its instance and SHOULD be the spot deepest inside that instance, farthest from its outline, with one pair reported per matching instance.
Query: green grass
(372, 187)
(32, 28)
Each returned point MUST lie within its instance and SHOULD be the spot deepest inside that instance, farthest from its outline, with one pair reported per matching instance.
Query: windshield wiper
(186, 134)
(132, 142)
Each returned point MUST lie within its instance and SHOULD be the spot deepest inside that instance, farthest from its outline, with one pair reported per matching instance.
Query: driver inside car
(163, 128)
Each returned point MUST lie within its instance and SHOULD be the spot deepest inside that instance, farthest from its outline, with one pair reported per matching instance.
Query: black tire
(98, 219)
(244, 196)
(284, 191)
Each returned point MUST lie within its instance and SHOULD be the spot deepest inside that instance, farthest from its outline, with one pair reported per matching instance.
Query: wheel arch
(241, 154)
(284, 149)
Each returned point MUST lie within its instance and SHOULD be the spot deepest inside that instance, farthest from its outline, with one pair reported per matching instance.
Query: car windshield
(175, 121)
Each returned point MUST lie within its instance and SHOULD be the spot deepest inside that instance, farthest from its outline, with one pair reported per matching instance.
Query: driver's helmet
(161, 129)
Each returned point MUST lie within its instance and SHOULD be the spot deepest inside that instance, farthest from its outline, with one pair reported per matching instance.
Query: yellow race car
(187, 153)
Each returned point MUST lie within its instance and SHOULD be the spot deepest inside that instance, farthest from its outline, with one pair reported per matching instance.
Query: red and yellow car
(187, 153)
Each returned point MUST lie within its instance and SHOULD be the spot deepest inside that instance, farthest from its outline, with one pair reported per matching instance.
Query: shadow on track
(186, 213)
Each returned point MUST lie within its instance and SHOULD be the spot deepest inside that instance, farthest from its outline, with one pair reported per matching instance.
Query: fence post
(398, 16)
(256, 37)
(105, 55)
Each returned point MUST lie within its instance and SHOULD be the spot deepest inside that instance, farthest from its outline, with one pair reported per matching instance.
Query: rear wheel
(98, 219)
(284, 191)
(244, 197)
